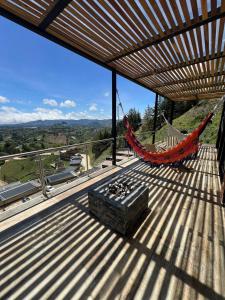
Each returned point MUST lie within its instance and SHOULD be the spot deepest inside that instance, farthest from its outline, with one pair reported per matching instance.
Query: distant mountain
(46, 123)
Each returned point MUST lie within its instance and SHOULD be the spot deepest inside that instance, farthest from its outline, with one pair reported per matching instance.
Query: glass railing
(37, 175)
(32, 177)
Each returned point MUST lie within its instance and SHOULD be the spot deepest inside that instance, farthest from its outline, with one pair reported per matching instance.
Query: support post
(114, 134)
(172, 104)
(155, 118)
(219, 135)
(42, 175)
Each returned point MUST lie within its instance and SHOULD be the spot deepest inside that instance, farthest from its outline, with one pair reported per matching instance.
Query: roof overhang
(174, 49)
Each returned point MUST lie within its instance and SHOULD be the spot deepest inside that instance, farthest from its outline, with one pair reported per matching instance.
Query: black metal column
(219, 135)
(155, 118)
(114, 133)
(172, 104)
(220, 145)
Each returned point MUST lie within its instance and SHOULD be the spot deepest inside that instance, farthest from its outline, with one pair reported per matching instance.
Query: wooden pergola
(174, 48)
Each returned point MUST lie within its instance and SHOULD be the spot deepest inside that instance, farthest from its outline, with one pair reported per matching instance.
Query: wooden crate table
(120, 212)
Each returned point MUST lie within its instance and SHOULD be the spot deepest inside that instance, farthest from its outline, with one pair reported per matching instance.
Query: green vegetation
(14, 140)
(188, 121)
(191, 119)
(25, 169)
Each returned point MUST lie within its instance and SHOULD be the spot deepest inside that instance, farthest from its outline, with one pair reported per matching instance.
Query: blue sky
(41, 80)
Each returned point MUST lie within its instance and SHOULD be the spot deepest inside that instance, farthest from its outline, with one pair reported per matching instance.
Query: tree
(147, 123)
(134, 118)
(26, 148)
(10, 147)
(120, 128)
(98, 148)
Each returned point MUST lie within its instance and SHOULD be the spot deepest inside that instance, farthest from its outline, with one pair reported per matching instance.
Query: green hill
(191, 119)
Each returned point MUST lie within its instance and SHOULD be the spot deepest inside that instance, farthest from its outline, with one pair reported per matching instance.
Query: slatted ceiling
(70, 22)
(167, 83)
(105, 31)
(187, 87)
(27, 9)
(135, 38)
(93, 27)
(81, 45)
(196, 89)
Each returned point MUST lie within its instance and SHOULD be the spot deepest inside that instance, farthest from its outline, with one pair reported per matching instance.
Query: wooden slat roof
(175, 48)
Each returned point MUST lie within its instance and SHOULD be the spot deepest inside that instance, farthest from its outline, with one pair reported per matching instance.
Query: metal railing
(49, 150)
(41, 167)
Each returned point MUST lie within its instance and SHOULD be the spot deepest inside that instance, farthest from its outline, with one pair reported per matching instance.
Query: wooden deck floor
(177, 253)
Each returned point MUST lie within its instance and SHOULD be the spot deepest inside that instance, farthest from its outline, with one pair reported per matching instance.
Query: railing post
(42, 175)
(155, 118)
(172, 104)
(114, 117)
(86, 153)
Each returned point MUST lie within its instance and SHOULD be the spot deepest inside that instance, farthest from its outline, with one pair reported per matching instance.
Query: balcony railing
(31, 177)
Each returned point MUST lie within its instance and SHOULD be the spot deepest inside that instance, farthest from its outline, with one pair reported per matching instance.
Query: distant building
(19, 191)
(60, 177)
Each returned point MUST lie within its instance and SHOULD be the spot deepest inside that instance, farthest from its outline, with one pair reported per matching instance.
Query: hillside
(191, 119)
(46, 123)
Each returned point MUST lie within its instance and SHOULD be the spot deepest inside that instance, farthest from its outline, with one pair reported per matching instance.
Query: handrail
(48, 150)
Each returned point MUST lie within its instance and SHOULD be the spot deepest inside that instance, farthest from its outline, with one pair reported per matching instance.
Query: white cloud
(51, 102)
(3, 99)
(68, 103)
(106, 94)
(11, 115)
(93, 107)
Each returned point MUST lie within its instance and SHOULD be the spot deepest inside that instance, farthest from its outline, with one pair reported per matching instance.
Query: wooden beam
(181, 65)
(215, 95)
(186, 80)
(195, 92)
(53, 14)
(194, 88)
(18, 20)
(201, 21)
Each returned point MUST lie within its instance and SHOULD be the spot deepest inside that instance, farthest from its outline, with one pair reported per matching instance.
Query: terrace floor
(178, 252)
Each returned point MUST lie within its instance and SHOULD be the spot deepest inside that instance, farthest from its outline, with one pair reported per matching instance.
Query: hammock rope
(186, 149)
(182, 151)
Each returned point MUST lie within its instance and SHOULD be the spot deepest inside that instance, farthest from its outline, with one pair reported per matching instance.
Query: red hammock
(182, 151)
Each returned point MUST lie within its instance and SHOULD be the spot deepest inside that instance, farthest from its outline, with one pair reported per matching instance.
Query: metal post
(155, 118)
(219, 135)
(42, 175)
(114, 117)
(172, 105)
(223, 192)
(86, 150)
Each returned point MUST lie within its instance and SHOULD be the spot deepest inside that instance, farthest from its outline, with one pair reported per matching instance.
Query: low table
(121, 213)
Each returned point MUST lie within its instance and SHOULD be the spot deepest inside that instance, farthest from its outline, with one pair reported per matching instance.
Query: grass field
(25, 169)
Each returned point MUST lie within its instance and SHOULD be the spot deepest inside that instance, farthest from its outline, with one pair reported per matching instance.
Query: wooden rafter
(174, 82)
(196, 88)
(194, 24)
(171, 55)
(181, 65)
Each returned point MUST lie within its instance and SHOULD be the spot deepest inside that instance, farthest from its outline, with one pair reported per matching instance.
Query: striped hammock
(184, 150)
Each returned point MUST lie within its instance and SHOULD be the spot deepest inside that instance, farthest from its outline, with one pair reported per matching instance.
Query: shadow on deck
(178, 252)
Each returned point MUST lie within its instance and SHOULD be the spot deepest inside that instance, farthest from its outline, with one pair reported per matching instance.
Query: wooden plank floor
(178, 252)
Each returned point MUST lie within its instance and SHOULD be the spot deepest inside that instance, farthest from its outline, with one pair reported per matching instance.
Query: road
(84, 162)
